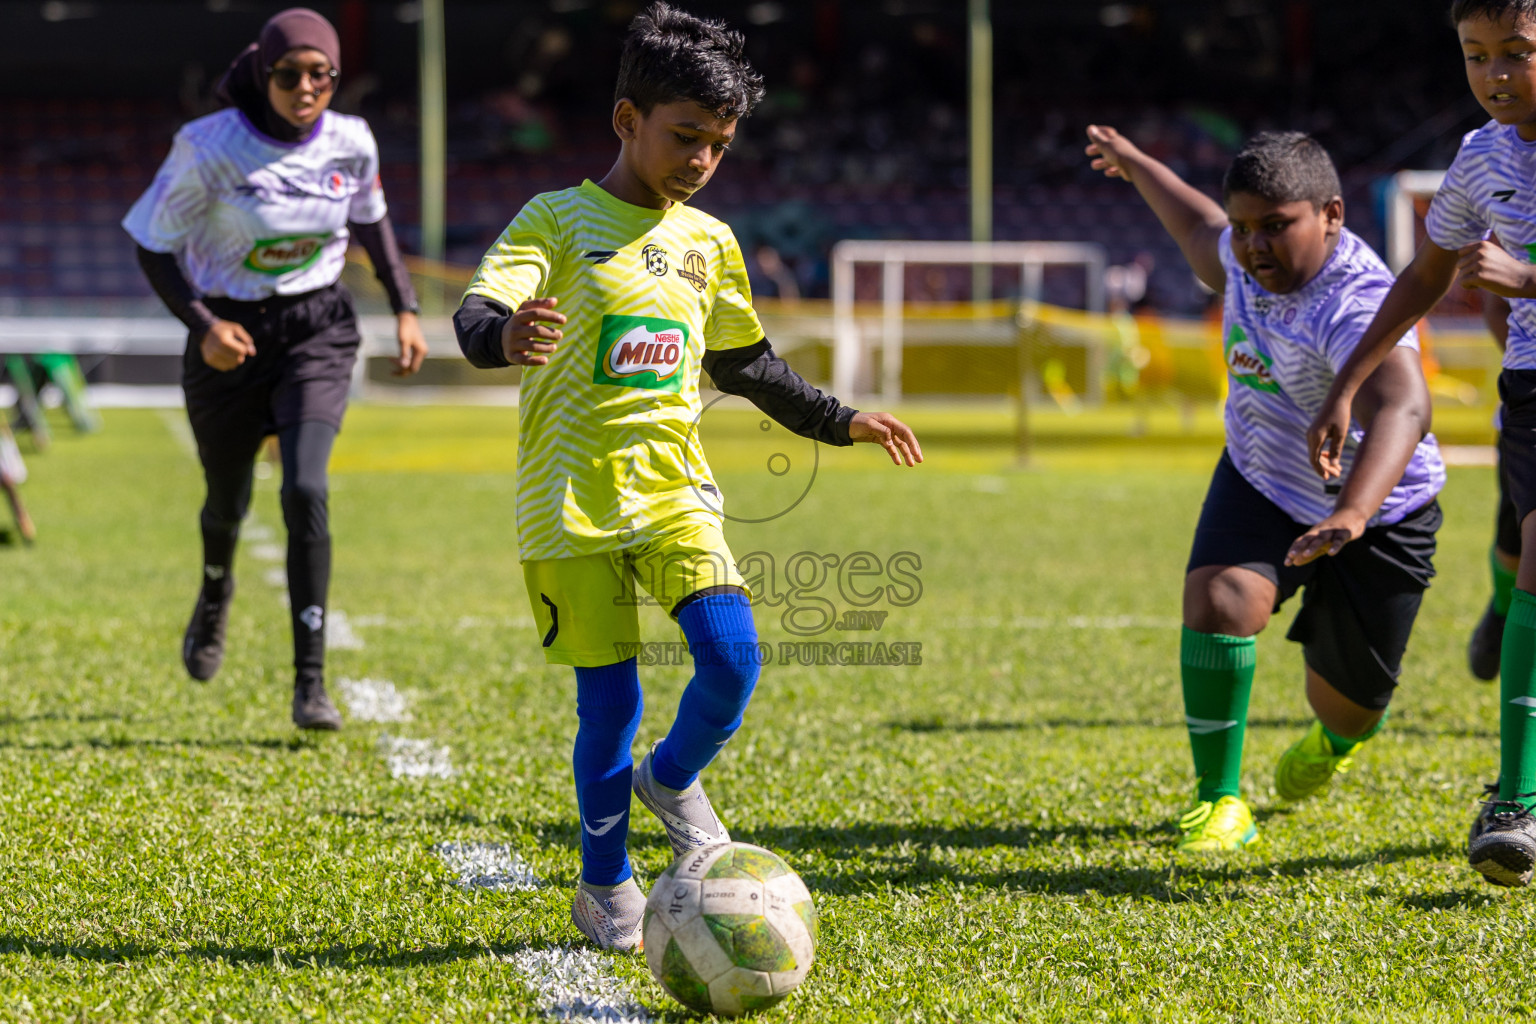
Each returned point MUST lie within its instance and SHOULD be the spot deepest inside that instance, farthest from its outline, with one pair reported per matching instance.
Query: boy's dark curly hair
(670, 55)
(1493, 10)
(1282, 167)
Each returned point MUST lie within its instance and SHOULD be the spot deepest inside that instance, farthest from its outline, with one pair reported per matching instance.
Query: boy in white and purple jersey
(1481, 233)
(1299, 289)
(1278, 383)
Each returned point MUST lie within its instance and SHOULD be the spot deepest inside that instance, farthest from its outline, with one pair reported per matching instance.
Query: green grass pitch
(987, 834)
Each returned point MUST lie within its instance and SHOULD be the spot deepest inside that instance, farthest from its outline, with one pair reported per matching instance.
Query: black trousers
(295, 387)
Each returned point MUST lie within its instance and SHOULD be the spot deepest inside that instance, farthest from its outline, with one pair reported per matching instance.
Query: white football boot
(610, 915)
(690, 821)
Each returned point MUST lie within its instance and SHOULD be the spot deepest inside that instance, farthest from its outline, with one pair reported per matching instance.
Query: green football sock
(1217, 673)
(1344, 744)
(1517, 700)
(1503, 583)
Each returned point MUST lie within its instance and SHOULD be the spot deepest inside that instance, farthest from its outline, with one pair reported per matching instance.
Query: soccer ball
(729, 928)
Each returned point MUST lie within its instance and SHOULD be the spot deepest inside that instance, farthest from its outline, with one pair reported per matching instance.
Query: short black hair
(670, 55)
(1493, 10)
(1282, 167)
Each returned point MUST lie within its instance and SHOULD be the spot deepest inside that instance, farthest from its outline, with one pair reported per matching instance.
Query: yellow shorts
(587, 609)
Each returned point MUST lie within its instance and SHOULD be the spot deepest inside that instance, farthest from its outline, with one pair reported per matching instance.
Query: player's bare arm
(413, 344)
(226, 345)
(1422, 284)
(526, 338)
(1193, 219)
(889, 433)
(1393, 404)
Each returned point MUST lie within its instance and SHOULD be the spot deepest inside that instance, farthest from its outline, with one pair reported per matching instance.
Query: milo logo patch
(1248, 365)
(281, 255)
(641, 352)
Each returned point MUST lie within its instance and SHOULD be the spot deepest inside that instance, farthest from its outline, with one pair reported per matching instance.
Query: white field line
(268, 552)
(338, 632)
(577, 985)
(176, 422)
(1072, 622)
(1469, 454)
(488, 866)
(374, 700)
(415, 759)
(476, 622)
(258, 536)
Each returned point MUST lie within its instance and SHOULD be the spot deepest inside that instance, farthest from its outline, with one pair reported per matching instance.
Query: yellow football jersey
(608, 444)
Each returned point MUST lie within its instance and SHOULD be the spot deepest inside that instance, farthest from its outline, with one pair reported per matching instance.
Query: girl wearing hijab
(243, 234)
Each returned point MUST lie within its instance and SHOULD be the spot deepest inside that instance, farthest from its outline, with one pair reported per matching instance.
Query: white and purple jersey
(250, 217)
(1491, 186)
(1283, 352)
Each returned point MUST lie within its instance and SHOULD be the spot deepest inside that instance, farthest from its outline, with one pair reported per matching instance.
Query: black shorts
(1517, 446)
(1506, 533)
(1359, 605)
(305, 348)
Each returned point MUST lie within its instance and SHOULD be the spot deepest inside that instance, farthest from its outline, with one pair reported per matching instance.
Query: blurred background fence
(866, 134)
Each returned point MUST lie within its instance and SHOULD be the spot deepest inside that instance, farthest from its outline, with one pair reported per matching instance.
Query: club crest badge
(655, 260)
(694, 269)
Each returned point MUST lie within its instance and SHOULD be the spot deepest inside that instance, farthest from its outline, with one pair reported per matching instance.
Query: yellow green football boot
(1309, 765)
(1218, 827)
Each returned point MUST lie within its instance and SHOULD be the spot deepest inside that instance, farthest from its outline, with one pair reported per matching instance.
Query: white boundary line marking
(267, 552)
(1469, 454)
(494, 866)
(374, 700)
(577, 985)
(181, 431)
(339, 635)
(1071, 622)
(415, 759)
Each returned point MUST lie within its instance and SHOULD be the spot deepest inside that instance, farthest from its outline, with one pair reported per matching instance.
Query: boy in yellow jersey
(612, 481)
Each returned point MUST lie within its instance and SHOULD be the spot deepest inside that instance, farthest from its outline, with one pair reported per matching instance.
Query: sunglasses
(287, 79)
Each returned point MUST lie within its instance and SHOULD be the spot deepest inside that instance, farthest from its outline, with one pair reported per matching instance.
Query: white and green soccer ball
(729, 929)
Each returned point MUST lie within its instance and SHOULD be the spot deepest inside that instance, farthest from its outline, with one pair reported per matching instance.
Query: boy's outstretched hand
(525, 341)
(1325, 437)
(1487, 265)
(1113, 153)
(1326, 538)
(889, 433)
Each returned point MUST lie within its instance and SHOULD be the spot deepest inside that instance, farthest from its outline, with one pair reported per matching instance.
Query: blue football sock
(723, 643)
(608, 704)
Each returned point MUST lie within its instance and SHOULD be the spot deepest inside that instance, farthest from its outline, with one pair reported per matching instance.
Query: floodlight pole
(434, 141)
(981, 143)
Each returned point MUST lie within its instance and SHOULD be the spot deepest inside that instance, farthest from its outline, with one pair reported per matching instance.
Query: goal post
(852, 358)
(1461, 362)
(1405, 190)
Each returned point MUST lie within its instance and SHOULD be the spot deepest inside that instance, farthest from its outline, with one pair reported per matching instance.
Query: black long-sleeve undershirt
(477, 324)
(377, 239)
(755, 372)
(166, 278)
